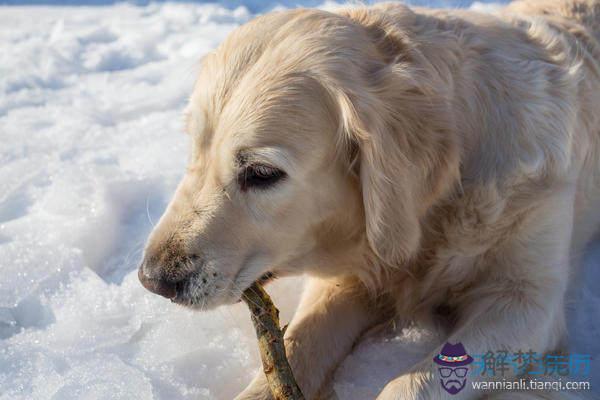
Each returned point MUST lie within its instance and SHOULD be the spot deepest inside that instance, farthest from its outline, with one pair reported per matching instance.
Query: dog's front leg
(511, 320)
(517, 306)
(331, 316)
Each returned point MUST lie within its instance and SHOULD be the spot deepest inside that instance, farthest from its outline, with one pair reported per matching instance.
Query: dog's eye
(259, 176)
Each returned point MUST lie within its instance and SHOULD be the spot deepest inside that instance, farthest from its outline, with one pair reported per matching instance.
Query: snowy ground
(91, 146)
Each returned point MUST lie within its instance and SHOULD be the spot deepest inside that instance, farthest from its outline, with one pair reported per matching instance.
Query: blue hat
(453, 355)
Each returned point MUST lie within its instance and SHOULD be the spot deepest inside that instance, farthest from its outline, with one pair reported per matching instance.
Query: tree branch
(265, 317)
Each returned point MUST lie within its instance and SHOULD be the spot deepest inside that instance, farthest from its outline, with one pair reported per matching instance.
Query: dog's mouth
(197, 293)
(267, 277)
(264, 279)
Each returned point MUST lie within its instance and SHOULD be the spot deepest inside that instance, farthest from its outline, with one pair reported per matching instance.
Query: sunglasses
(459, 372)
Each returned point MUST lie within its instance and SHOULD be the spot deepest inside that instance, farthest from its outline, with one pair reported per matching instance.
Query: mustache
(453, 382)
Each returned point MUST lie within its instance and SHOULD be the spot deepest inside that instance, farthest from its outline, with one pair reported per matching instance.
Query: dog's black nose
(158, 286)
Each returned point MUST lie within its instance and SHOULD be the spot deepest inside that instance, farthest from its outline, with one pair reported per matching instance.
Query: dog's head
(307, 156)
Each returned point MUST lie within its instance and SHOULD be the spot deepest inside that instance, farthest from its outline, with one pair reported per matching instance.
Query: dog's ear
(407, 159)
(388, 183)
(397, 114)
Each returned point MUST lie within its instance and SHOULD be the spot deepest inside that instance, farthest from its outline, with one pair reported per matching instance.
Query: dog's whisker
(148, 211)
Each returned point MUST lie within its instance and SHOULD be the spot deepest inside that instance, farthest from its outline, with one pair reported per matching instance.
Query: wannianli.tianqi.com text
(531, 384)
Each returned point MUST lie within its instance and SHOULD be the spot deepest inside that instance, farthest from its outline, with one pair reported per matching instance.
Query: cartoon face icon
(453, 360)
(453, 379)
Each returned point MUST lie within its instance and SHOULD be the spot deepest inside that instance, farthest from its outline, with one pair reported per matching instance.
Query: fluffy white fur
(441, 166)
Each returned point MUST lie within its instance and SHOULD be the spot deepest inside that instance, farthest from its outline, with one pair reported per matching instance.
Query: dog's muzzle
(161, 287)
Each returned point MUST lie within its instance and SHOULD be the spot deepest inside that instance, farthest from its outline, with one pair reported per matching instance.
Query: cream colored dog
(431, 165)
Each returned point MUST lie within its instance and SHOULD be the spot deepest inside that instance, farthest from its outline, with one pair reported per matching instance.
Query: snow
(91, 148)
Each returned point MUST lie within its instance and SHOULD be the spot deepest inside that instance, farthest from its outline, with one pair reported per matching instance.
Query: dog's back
(586, 12)
(580, 19)
(571, 15)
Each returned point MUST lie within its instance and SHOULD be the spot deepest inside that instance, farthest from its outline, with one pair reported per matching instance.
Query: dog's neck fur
(488, 174)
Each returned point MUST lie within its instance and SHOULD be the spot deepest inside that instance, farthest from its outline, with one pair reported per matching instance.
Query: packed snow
(91, 148)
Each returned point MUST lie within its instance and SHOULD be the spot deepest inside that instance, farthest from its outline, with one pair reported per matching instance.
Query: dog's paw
(417, 384)
(258, 389)
(251, 394)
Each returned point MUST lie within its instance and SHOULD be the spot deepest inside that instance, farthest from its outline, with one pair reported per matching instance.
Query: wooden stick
(265, 317)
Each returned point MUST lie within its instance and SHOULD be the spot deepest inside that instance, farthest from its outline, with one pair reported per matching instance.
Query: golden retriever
(430, 165)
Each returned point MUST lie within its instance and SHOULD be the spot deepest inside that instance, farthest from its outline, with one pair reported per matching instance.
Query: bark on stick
(265, 317)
